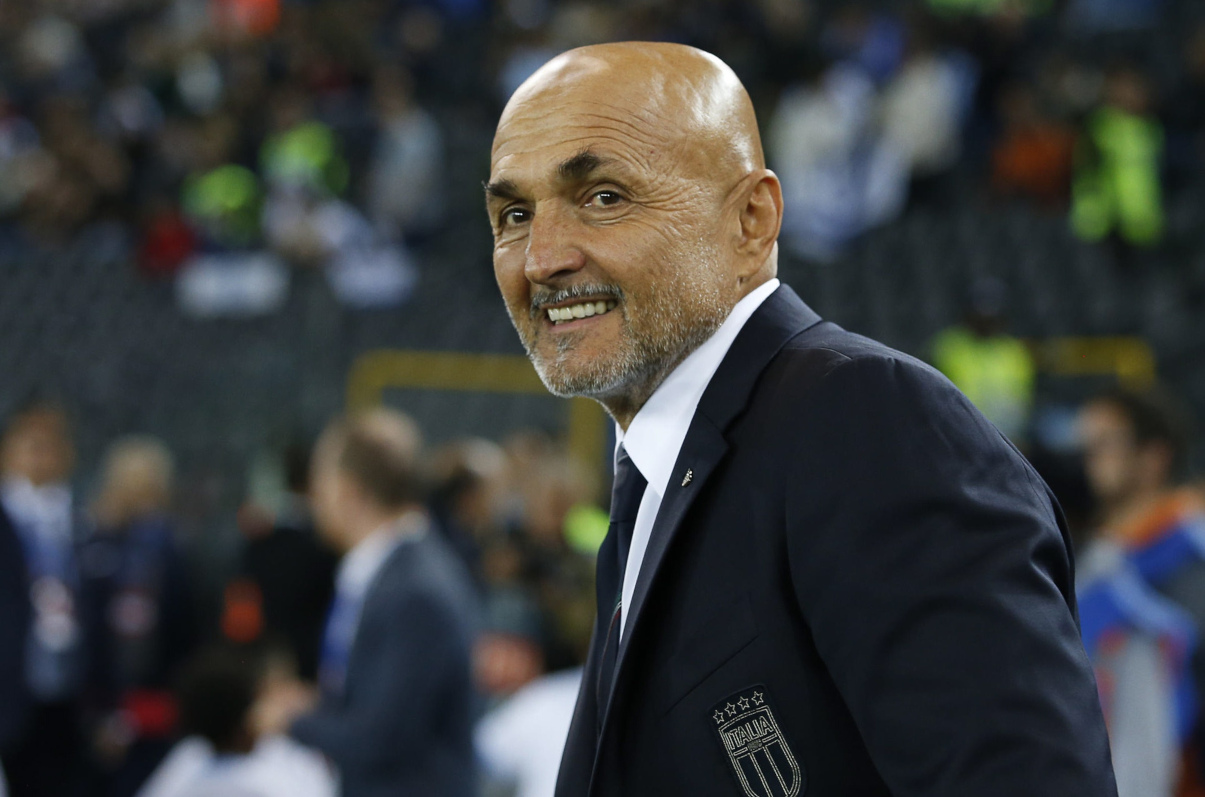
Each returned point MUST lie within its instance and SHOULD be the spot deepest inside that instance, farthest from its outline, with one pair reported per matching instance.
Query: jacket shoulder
(425, 575)
(816, 355)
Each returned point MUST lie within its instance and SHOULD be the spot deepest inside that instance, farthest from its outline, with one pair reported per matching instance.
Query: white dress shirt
(655, 435)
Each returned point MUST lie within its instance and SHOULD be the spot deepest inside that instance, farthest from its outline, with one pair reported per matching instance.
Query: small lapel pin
(690, 474)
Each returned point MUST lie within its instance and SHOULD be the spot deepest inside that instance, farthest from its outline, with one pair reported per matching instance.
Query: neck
(372, 521)
(623, 407)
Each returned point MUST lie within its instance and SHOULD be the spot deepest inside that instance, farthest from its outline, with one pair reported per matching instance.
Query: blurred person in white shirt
(520, 742)
(222, 756)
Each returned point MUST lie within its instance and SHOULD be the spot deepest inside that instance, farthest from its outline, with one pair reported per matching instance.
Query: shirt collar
(655, 435)
(362, 563)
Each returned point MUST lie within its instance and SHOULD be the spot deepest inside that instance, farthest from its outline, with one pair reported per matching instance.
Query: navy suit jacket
(855, 587)
(14, 627)
(403, 724)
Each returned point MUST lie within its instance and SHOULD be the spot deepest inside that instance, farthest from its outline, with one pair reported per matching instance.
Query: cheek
(510, 275)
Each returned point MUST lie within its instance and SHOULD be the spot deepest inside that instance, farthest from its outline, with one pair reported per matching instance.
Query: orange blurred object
(243, 612)
(254, 17)
(1035, 162)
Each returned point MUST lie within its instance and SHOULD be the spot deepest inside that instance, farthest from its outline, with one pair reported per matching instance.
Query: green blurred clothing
(1117, 186)
(306, 156)
(996, 373)
(225, 202)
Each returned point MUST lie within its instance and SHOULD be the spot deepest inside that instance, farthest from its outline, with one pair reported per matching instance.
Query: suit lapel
(781, 317)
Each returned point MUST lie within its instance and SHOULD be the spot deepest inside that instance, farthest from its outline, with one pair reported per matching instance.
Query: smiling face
(616, 198)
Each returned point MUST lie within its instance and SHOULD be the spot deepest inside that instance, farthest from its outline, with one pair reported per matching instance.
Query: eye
(605, 198)
(514, 216)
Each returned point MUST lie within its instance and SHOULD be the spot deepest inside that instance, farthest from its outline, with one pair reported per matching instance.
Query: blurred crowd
(232, 140)
(398, 616)
(110, 656)
(232, 143)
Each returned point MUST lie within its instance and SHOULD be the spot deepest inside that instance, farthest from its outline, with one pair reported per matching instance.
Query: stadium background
(189, 190)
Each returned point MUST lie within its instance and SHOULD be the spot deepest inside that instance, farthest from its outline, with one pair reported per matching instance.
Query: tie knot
(627, 489)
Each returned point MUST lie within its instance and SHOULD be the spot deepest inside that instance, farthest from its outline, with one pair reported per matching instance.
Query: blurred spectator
(995, 370)
(1033, 156)
(521, 741)
(293, 571)
(539, 576)
(924, 107)
(1135, 455)
(395, 708)
(307, 222)
(559, 491)
(405, 178)
(229, 274)
(1140, 645)
(551, 587)
(137, 613)
(874, 41)
(37, 458)
(1117, 188)
(222, 755)
(469, 486)
(839, 176)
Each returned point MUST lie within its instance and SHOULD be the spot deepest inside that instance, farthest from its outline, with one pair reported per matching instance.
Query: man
(293, 571)
(395, 713)
(826, 572)
(37, 458)
(1136, 454)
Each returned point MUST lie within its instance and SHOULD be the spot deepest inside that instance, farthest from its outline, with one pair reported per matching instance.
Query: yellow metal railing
(1129, 359)
(375, 372)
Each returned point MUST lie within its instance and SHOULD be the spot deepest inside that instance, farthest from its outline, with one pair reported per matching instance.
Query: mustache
(598, 290)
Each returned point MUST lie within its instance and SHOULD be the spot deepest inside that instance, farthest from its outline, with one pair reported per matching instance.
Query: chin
(568, 381)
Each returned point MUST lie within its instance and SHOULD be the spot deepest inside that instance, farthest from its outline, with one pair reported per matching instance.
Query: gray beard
(642, 362)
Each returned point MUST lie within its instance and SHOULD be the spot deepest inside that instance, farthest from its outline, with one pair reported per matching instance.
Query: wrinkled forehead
(652, 117)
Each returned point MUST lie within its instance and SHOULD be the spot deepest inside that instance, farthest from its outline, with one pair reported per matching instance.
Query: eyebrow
(501, 189)
(571, 170)
(580, 166)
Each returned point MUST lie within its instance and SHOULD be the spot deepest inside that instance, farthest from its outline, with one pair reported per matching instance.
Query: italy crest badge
(761, 759)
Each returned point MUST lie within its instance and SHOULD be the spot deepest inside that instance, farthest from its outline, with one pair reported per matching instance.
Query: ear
(760, 218)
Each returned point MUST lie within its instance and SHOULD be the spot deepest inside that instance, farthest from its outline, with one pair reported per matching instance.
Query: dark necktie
(626, 493)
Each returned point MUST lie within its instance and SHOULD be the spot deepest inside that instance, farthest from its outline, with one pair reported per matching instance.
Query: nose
(552, 249)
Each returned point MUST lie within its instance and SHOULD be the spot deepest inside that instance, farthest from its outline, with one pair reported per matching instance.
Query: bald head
(671, 94)
(627, 181)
